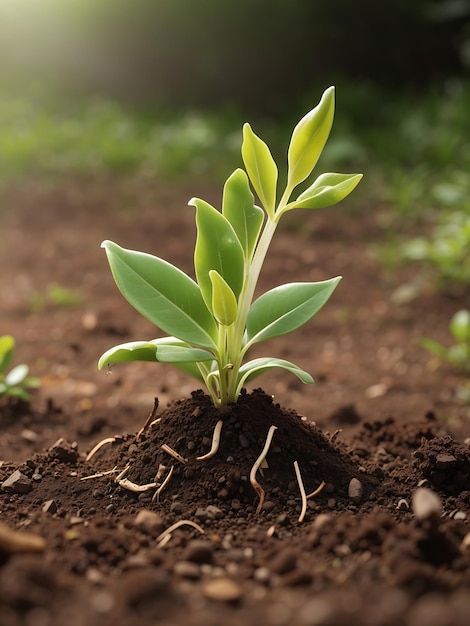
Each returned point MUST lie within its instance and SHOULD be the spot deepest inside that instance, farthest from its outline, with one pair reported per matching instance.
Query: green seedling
(16, 382)
(459, 353)
(213, 321)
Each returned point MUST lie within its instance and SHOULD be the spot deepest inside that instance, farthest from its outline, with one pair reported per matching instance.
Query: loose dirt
(382, 436)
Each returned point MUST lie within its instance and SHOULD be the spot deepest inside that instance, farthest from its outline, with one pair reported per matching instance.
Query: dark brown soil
(383, 428)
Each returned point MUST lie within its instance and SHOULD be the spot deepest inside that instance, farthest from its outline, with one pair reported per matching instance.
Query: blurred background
(163, 86)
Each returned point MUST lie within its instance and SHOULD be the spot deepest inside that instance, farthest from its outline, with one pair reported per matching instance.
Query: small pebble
(355, 490)
(148, 521)
(199, 551)
(445, 461)
(185, 569)
(223, 589)
(17, 483)
(426, 504)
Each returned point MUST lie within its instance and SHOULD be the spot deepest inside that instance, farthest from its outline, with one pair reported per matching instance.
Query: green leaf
(7, 347)
(309, 138)
(435, 347)
(460, 326)
(261, 168)
(224, 303)
(327, 189)
(163, 294)
(164, 349)
(130, 351)
(256, 367)
(286, 308)
(217, 248)
(239, 208)
(17, 375)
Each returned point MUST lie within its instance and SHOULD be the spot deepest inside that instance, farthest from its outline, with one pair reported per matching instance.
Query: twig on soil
(100, 474)
(150, 419)
(125, 483)
(181, 522)
(99, 445)
(123, 473)
(254, 483)
(156, 495)
(174, 454)
(335, 434)
(302, 492)
(320, 488)
(215, 443)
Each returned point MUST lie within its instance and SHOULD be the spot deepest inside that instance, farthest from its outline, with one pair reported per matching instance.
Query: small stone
(426, 504)
(186, 569)
(17, 483)
(268, 506)
(223, 589)
(355, 490)
(460, 515)
(149, 521)
(200, 514)
(176, 507)
(213, 512)
(199, 551)
(243, 441)
(49, 506)
(262, 575)
(445, 461)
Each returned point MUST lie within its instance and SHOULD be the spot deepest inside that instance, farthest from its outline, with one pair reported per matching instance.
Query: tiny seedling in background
(16, 382)
(213, 321)
(459, 353)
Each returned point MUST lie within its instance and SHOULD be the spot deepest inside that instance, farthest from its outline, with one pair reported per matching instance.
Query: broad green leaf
(224, 303)
(217, 248)
(256, 367)
(238, 206)
(261, 168)
(309, 138)
(286, 308)
(163, 294)
(7, 347)
(182, 354)
(17, 375)
(130, 351)
(460, 326)
(154, 351)
(328, 189)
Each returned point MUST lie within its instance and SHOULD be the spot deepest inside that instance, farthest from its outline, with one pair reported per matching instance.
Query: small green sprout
(213, 321)
(16, 382)
(459, 353)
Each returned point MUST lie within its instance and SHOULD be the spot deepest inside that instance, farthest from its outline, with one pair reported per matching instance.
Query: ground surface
(388, 422)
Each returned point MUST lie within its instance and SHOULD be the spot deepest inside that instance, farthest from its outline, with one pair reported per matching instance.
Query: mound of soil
(111, 547)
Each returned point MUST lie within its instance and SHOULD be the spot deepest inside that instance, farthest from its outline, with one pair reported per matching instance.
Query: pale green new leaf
(7, 347)
(309, 138)
(163, 294)
(224, 303)
(129, 351)
(286, 308)
(261, 168)
(217, 248)
(238, 206)
(460, 326)
(182, 354)
(17, 375)
(328, 189)
(256, 367)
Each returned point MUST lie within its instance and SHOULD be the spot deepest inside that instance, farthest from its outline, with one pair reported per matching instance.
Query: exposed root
(254, 483)
(156, 495)
(98, 446)
(150, 419)
(319, 489)
(174, 454)
(100, 474)
(215, 443)
(130, 486)
(121, 475)
(302, 492)
(181, 522)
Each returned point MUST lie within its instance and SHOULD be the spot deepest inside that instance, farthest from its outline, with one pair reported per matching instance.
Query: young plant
(213, 321)
(459, 353)
(16, 382)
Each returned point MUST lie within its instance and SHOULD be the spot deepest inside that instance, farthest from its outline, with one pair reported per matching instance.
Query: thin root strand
(254, 483)
(215, 443)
